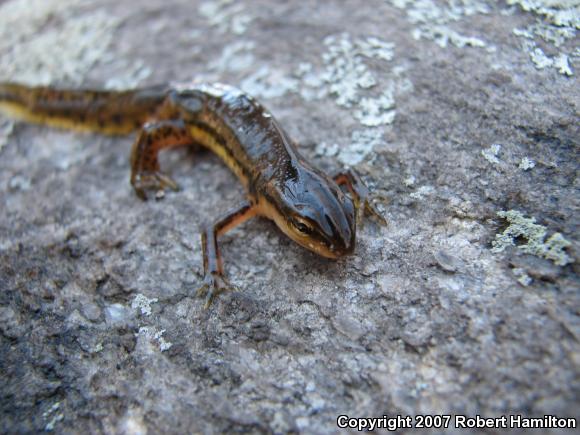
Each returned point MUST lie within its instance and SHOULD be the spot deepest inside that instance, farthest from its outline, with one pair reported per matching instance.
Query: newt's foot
(366, 206)
(372, 210)
(152, 181)
(363, 199)
(213, 285)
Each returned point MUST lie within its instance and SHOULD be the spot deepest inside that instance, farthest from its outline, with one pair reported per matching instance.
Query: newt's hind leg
(155, 136)
(361, 195)
(214, 281)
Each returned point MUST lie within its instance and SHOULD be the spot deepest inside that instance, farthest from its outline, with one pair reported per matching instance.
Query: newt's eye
(303, 228)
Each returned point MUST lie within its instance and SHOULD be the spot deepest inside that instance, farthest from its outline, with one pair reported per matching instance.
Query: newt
(317, 211)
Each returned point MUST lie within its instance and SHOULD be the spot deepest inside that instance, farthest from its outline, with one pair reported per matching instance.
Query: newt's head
(312, 210)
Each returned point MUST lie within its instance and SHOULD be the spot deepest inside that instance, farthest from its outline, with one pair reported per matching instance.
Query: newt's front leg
(360, 194)
(155, 136)
(214, 281)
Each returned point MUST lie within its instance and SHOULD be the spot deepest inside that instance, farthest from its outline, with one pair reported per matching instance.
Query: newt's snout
(317, 214)
(339, 227)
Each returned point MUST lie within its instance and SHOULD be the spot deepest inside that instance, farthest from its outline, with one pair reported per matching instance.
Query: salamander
(317, 211)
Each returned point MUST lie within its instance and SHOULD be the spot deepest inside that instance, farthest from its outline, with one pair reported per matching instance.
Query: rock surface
(455, 111)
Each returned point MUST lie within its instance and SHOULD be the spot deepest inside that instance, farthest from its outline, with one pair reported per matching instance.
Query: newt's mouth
(331, 252)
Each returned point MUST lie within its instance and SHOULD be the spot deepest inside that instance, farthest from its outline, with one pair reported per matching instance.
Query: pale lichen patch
(373, 112)
(21, 19)
(549, 33)
(522, 277)
(556, 24)
(526, 164)
(268, 83)
(226, 15)
(422, 193)
(236, 56)
(155, 335)
(521, 227)
(312, 82)
(346, 72)
(562, 65)
(560, 13)
(143, 303)
(65, 53)
(361, 145)
(53, 416)
(20, 182)
(325, 149)
(540, 59)
(349, 78)
(409, 181)
(491, 154)
(432, 20)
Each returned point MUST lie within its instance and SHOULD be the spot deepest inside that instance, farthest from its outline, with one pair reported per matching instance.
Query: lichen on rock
(433, 20)
(63, 54)
(521, 227)
(352, 83)
(556, 25)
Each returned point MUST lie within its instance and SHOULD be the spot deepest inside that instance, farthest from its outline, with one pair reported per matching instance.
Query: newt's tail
(108, 112)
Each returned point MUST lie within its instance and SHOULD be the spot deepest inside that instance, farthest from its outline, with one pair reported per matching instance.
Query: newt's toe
(372, 210)
(152, 181)
(213, 285)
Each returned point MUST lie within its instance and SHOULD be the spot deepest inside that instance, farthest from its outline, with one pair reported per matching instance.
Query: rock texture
(464, 115)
